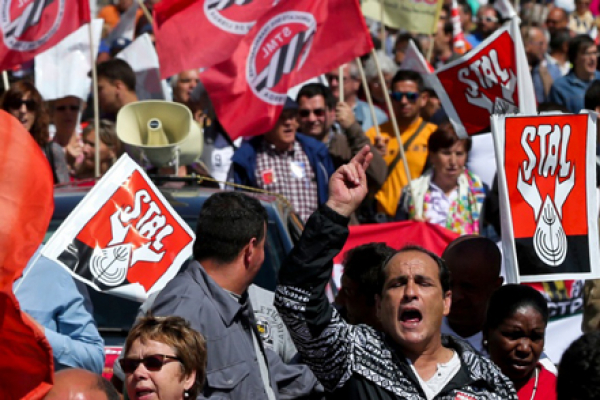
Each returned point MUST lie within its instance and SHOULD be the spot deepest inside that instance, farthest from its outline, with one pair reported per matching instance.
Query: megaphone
(161, 131)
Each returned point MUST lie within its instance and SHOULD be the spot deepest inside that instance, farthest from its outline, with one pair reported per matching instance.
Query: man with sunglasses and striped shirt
(408, 98)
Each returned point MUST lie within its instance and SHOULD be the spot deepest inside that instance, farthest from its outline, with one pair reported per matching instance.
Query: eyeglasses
(152, 362)
(488, 19)
(304, 113)
(410, 96)
(18, 103)
(64, 108)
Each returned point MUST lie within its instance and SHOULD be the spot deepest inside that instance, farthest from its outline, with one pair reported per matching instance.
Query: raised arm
(323, 339)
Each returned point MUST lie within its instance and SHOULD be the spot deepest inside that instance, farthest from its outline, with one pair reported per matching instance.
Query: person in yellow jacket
(408, 97)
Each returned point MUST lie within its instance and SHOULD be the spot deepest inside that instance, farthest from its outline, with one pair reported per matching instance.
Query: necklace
(535, 385)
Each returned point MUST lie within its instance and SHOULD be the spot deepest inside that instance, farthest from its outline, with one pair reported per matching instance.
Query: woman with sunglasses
(165, 359)
(513, 336)
(65, 117)
(447, 194)
(24, 102)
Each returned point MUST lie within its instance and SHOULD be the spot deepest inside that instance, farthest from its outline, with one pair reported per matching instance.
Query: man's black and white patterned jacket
(358, 362)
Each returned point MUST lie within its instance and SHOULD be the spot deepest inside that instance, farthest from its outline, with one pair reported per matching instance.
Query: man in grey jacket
(211, 292)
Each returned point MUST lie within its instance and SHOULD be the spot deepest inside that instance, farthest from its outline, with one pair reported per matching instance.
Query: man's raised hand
(348, 185)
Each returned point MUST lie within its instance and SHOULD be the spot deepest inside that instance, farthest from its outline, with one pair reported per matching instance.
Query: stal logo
(234, 16)
(18, 16)
(281, 46)
(111, 264)
(485, 73)
(549, 239)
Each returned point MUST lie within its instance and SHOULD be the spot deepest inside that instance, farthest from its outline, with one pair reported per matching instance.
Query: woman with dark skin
(513, 335)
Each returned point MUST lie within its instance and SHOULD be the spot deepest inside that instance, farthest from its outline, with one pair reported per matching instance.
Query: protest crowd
(418, 271)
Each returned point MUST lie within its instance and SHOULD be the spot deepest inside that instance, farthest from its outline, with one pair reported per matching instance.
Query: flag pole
(388, 103)
(96, 107)
(146, 11)
(430, 49)
(363, 78)
(341, 83)
(382, 9)
(6, 81)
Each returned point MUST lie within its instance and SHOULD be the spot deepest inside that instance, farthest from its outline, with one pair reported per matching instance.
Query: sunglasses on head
(152, 362)
(319, 112)
(18, 103)
(410, 96)
(64, 108)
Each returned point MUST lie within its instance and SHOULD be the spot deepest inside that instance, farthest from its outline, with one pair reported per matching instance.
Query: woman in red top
(513, 335)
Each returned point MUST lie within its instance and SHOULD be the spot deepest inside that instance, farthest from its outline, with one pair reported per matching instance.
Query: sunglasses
(319, 112)
(410, 96)
(18, 103)
(488, 19)
(152, 362)
(64, 108)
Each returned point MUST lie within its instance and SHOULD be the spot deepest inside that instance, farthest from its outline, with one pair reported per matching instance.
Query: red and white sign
(396, 235)
(30, 27)
(491, 79)
(291, 43)
(548, 196)
(192, 34)
(124, 237)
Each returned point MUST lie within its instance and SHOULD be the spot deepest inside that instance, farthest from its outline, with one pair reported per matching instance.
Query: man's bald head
(79, 384)
(557, 19)
(474, 263)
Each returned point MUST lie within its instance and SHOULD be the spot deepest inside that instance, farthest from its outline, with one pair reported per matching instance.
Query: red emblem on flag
(292, 42)
(548, 164)
(31, 27)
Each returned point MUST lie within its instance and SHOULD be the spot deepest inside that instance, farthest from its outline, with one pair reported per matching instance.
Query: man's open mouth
(411, 316)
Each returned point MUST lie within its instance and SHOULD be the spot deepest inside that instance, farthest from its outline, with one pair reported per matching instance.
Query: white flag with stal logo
(63, 70)
(142, 58)
(124, 237)
(547, 187)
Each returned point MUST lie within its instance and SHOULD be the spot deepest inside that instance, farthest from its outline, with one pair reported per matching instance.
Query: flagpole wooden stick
(381, 14)
(430, 49)
(6, 81)
(341, 83)
(146, 11)
(388, 103)
(363, 78)
(96, 106)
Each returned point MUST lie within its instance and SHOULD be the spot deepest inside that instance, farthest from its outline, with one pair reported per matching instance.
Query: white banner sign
(63, 70)
(124, 237)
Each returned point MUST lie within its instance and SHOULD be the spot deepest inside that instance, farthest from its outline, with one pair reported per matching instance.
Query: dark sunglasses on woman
(153, 362)
(64, 108)
(18, 103)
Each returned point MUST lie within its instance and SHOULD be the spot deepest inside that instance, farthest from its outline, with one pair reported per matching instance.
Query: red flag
(201, 33)
(398, 234)
(493, 78)
(291, 43)
(124, 237)
(26, 205)
(31, 27)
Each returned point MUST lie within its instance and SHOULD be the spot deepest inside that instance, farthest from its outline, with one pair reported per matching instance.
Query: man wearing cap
(286, 162)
